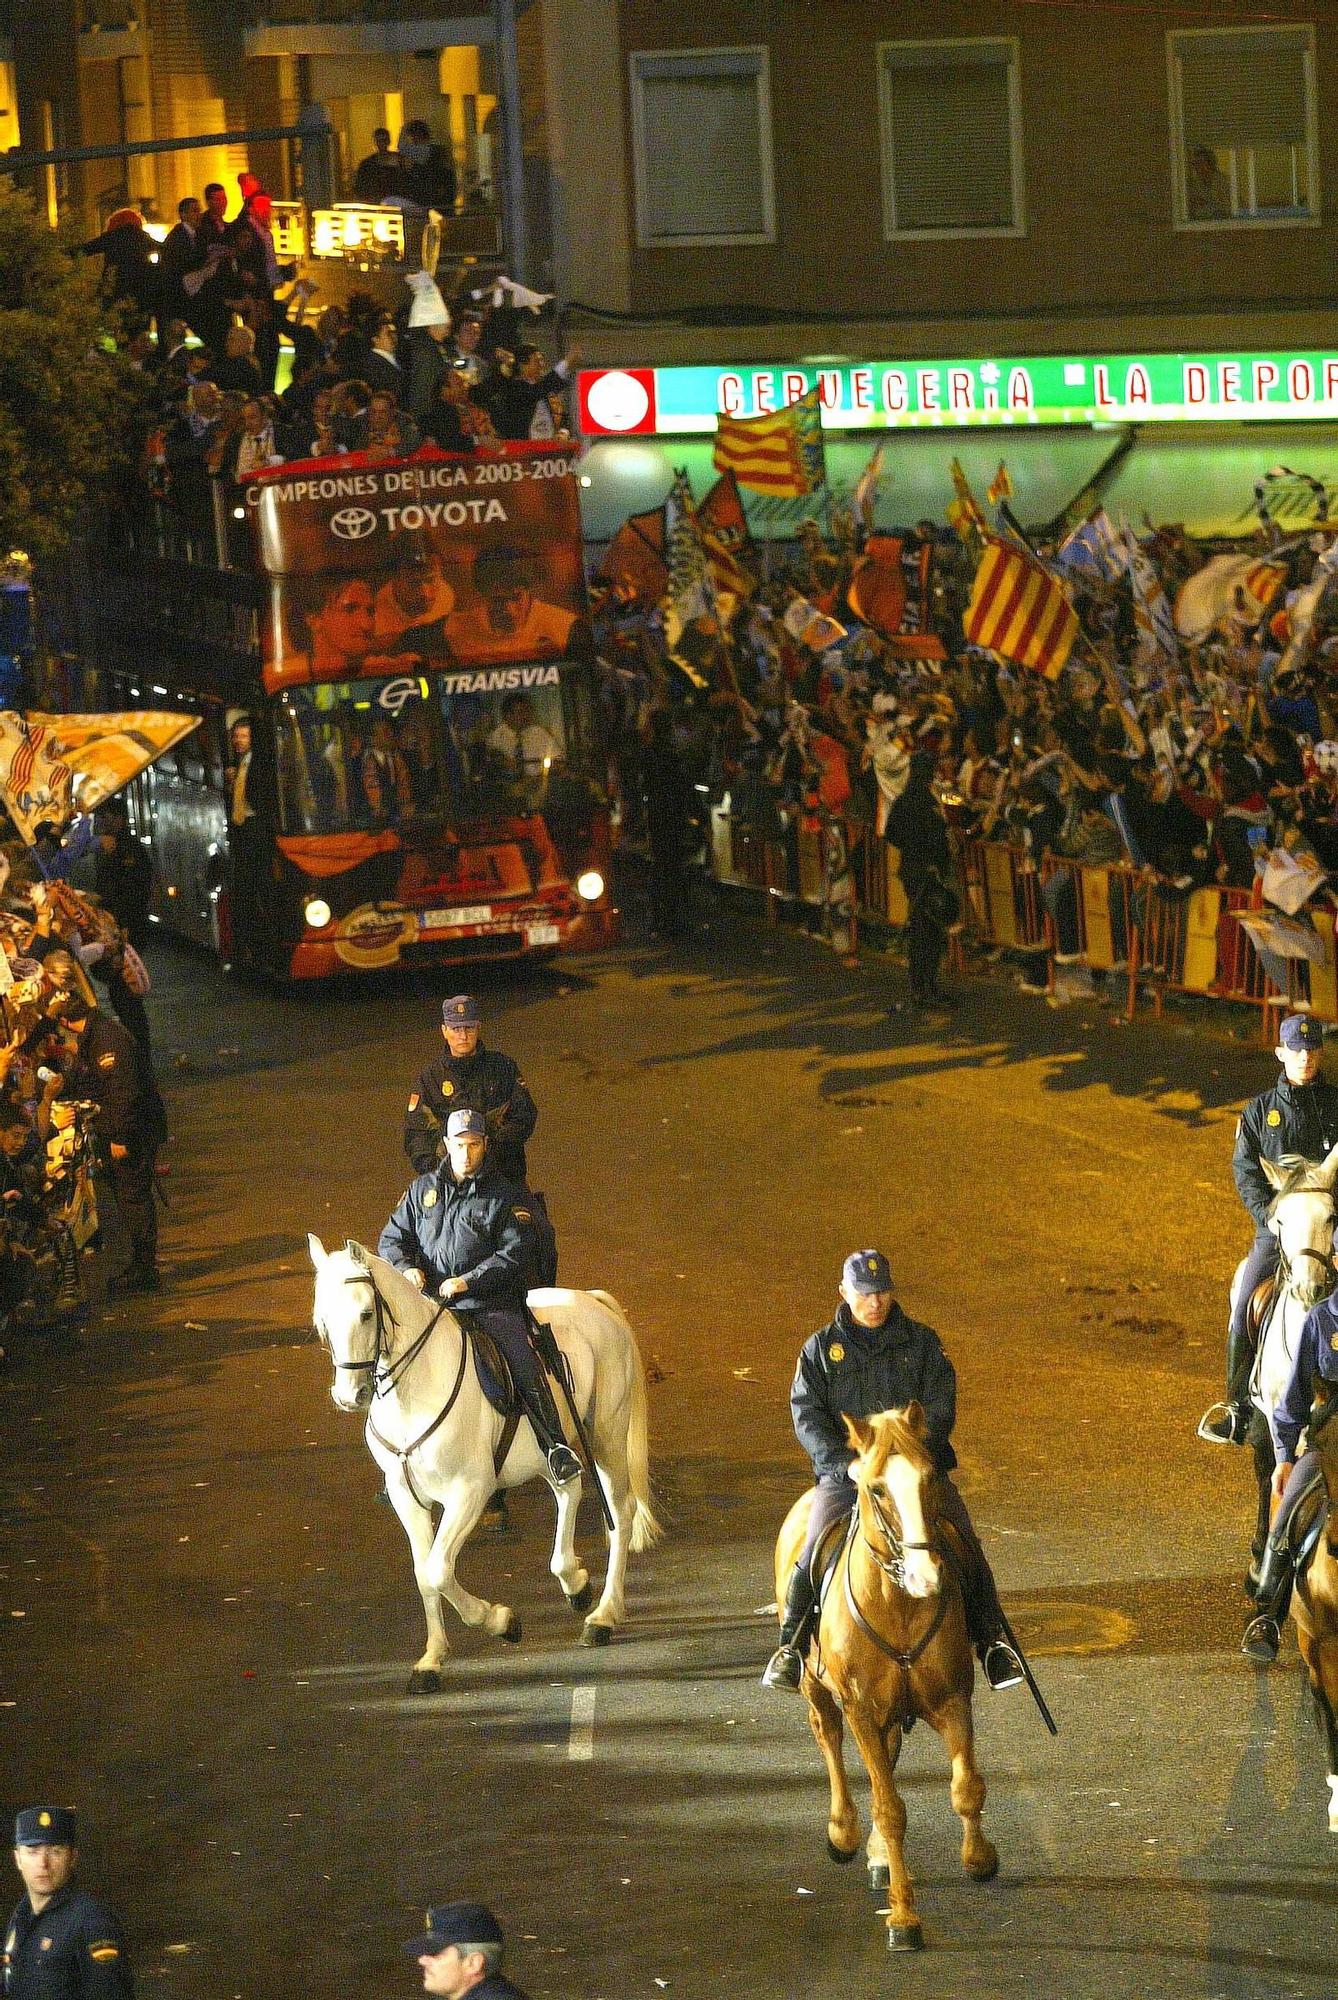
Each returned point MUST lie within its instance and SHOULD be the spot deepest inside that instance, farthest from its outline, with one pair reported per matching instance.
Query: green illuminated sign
(894, 395)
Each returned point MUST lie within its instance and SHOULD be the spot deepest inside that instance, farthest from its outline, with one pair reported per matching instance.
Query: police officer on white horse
(874, 1357)
(1298, 1116)
(467, 1236)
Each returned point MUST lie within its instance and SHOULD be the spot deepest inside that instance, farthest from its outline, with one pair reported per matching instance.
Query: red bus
(401, 759)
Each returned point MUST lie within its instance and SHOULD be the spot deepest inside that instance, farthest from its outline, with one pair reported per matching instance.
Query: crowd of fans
(1189, 764)
(77, 1093)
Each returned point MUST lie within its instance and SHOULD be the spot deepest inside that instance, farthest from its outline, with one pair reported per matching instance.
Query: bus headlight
(590, 886)
(317, 913)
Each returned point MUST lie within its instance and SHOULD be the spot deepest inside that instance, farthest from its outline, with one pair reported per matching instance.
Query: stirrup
(784, 1670)
(1262, 1640)
(563, 1464)
(1001, 1666)
(1223, 1423)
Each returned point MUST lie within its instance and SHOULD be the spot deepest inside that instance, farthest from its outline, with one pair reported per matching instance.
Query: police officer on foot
(465, 1235)
(460, 1951)
(1298, 1115)
(874, 1357)
(469, 1077)
(60, 1941)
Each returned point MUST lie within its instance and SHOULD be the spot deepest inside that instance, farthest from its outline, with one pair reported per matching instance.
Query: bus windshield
(369, 754)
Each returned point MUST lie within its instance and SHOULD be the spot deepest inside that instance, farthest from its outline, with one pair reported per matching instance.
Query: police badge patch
(448, 1088)
(836, 1352)
(1275, 1118)
(429, 1198)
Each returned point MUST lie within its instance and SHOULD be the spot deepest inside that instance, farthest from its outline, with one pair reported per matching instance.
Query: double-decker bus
(400, 761)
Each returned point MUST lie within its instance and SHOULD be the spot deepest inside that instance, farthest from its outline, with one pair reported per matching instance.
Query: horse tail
(646, 1530)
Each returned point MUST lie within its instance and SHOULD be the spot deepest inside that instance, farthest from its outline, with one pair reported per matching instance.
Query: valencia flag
(1019, 610)
(780, 453)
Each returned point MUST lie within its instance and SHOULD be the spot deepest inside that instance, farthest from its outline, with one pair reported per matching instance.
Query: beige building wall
(1099, 248)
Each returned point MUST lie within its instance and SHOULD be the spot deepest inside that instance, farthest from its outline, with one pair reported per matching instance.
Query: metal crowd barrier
(1116, 920)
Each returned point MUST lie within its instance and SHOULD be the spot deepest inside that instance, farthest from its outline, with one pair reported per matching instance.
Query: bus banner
(465, 566)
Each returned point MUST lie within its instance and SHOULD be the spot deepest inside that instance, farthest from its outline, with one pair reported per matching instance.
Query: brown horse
(891, 1646)
(1315, 1598)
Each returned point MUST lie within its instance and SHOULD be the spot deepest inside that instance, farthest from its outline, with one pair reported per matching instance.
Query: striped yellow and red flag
(1019, 610)
(780, 454)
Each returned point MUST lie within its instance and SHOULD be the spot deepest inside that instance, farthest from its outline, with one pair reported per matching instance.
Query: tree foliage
(66, 396)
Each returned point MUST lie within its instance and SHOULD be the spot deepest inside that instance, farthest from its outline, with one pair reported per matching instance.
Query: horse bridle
(383, 1378)
(894, 1565)
(1324, 1258)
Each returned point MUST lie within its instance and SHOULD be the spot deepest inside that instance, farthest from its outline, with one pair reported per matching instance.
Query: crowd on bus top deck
(207, 312)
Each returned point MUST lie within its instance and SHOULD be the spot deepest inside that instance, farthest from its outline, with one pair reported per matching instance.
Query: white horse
(1302, 1219)
(402, 1360)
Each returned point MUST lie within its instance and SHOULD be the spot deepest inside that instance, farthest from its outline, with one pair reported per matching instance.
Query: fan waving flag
(54, 766)
(780, 454)
(1019, 610)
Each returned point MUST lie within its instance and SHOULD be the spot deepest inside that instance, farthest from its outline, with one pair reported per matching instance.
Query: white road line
(581, 1742)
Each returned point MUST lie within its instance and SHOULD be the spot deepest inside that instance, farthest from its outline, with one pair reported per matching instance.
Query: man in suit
(183, 253)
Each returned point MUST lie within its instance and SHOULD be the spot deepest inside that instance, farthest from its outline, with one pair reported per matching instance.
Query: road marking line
(581, 1742)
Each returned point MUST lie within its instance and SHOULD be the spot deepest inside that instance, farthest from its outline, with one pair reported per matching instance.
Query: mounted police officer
(874, 1357)
(60, 1942)
(1299, 1115)
(460, 1952)
(1316, 1363)
(469, 1077)
(466, 1235)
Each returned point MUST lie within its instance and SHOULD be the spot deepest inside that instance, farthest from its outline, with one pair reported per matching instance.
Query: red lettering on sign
(960, 395)
(764, 390)
(1196, 382)
(927, 388)
(794, 386)
(731, 396)
(1300, 381)
(1228, 382)
(1020, 394)
(1264, 375)
(861, 388)
(894, 391)
(1137, 388)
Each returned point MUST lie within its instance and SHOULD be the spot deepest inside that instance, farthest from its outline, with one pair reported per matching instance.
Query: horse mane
(897, 1435)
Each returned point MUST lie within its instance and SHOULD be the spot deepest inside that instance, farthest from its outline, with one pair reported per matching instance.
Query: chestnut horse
(1315, 1598)
(891, 1646)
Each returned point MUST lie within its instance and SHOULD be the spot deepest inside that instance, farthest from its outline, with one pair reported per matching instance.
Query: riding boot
(1232, 1421)
(784, 1668)
(1263, 1634)
(537, 1396)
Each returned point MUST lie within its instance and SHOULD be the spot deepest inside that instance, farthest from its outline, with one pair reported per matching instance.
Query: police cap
(461, 1012)
(466, 1125)
(866, 1271)
(45, 1826)
(1299, 1031)
(458, 1924)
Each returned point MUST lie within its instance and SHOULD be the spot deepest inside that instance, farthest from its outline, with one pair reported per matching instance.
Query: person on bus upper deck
(466, 1076)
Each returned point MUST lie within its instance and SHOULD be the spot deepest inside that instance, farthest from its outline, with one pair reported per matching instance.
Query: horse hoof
(424, 1680)
(584, 1597)
(512, 1631)
(905, 1937)
(880, 1877)
(984, 1870)
(838, 1854)
(596, 1635)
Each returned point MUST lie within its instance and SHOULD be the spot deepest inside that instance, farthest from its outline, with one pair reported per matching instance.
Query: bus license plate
(542, 934)
(442, 920)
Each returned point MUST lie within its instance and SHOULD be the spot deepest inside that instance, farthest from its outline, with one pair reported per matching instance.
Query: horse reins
(893, 1566)
(385, 1379)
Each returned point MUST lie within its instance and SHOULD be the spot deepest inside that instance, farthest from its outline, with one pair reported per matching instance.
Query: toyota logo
(352, 523)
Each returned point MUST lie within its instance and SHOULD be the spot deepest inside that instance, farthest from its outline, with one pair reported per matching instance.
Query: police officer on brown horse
(874, 1357)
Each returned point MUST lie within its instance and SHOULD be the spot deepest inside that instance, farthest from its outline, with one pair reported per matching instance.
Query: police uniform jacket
(112, 1071)
(478, 1229)
(486, 1081)
(497, 1987)
(74, 1947)
(1316, 1361)
(1290, 1118)
(856, 1371)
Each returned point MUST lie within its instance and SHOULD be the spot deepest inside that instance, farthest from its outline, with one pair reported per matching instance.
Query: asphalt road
(206, 1622)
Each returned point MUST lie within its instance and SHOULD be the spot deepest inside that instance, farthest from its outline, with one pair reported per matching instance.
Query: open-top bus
(400, 760)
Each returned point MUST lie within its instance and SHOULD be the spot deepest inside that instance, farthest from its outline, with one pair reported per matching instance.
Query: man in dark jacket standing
(916, 828)
(60, 1944)
(463, 1234)
(1299, 1115)
(469, 1077)
(111, 1070)
(123, 879)
(873, 1357)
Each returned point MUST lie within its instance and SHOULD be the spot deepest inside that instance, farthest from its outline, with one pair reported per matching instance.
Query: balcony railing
(337, 13)
(110, 17)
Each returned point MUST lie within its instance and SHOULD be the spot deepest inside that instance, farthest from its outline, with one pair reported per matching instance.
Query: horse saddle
(822, 1563)
(497, 1379)
(1306, 1524)
(1262, 1301)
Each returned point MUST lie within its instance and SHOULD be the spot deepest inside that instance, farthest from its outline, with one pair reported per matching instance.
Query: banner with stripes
(1019, 610)
(780, 454)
